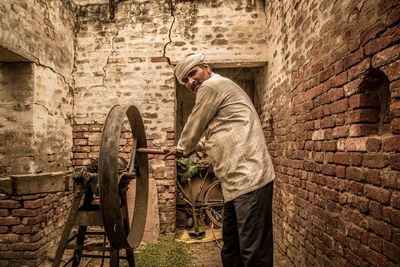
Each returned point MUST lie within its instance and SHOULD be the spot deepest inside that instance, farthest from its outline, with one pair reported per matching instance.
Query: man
(232, 134)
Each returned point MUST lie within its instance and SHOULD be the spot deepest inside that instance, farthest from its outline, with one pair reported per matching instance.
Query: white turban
(186, 64)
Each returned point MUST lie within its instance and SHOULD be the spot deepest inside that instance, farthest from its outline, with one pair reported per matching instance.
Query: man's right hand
(172, 152)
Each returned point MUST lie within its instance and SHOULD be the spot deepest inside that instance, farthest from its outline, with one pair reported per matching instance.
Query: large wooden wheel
(122, 232)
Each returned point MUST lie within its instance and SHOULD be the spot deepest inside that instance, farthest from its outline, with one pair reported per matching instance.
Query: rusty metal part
(150, 151)
(121, 233)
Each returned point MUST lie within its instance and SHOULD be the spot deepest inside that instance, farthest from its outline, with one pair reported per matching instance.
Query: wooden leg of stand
(67, 229)
(114, 257)
(80, 240)
(130, 257)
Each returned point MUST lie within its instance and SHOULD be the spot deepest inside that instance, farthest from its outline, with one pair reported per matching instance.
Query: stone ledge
(27, 184)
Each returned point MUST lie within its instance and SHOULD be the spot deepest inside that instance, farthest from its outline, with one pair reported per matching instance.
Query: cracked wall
(43, 35)
(128, 60)
(36, 104)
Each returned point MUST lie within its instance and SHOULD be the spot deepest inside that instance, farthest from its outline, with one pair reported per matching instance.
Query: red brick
(391, 215)
(362, 101)
(26, 229)
(391, 179)
(392, 70)
(374, 144)
(386, 56)
(9, 204)
(375, 209)
(9, 221)
(393, 15)
(81, 149)
(80, 128)
(4, 229)
(347, 158)
(34, 220)
(372, 32)
(353, 59)
(374, 258)
(337, 81)
(356, 188)
(30, 255)
(363, 115)
(352, 87)
(34, 237)
(391, 144)
(327, 122)
(341, 131)
(329, 145)
(395, 108)
(392, 251)
(356, 174)
(10, 255)
(359, 203)
(338, 106)
(359, 69)
(33, 204)
(80, 142)
(395, 200)
(374, 177)
(394, 161)
(375, 242)
(395, 126)
(26, 246)
(26, 212)
(80, 155)
(377, 193)
(375, 160)
(358, 130)
(4, 212)
(340, 171)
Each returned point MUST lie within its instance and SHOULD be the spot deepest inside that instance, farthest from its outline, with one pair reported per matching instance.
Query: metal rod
(150, 151)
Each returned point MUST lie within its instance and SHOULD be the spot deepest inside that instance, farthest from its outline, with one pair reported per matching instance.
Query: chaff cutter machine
(100, 197)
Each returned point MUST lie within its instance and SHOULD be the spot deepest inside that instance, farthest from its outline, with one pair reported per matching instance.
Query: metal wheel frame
(112, 201)
(210, 204)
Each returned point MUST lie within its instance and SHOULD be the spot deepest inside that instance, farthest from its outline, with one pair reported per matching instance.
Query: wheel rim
(113, 204)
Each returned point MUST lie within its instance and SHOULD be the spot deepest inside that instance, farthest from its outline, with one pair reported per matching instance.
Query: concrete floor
(204, 253)
(208, 255)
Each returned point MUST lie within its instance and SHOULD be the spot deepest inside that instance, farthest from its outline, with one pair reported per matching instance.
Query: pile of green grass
(166, 253)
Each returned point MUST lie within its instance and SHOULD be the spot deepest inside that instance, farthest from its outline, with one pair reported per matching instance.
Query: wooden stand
(82, 216)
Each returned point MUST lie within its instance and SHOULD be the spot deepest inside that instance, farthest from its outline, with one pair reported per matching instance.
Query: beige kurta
(233, 137)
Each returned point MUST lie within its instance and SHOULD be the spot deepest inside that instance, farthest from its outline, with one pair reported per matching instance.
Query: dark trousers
(247, 230)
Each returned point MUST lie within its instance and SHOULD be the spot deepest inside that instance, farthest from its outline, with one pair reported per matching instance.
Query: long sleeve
(208, 100)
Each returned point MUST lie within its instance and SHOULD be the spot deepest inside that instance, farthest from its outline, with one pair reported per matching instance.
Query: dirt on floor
(205, 252)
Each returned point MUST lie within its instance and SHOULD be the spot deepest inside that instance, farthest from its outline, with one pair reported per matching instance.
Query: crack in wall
(74, 67)
(112, 45)
(172, 7)
(37, 62)
(43, 106)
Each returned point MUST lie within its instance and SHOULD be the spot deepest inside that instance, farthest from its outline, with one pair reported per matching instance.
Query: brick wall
(30, 227)
(333, 95)
(35, 123)
(124, 60)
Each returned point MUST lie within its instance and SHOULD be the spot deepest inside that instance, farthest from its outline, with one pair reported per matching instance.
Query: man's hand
(172, 152)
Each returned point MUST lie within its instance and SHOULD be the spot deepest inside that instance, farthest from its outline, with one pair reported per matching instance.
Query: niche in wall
(16, 97)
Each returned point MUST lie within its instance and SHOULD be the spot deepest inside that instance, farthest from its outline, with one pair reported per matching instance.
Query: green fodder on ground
(166, 253)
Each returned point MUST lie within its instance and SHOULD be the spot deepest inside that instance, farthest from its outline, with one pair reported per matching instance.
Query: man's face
(196, 76)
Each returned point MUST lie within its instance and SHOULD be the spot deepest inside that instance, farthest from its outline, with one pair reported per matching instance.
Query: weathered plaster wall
(35, 123)
(42, 33)
(124, 61)
(337, 193)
